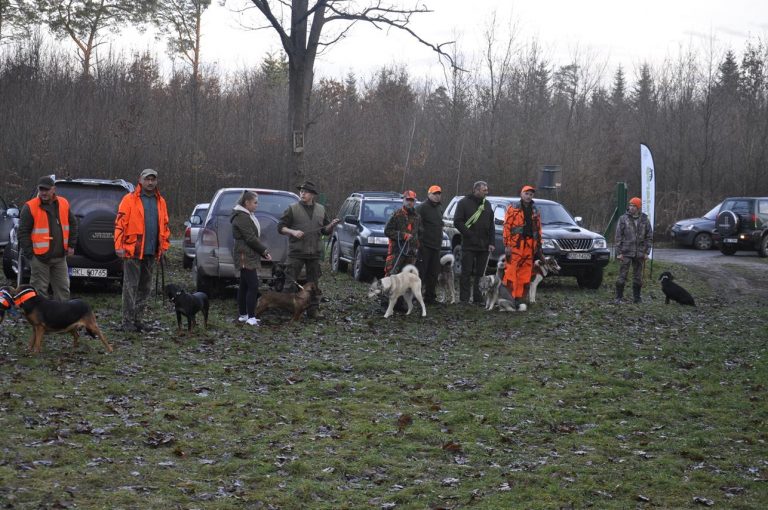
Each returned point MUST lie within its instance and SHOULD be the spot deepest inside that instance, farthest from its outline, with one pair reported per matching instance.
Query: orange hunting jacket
(129, 225)
(41, 231)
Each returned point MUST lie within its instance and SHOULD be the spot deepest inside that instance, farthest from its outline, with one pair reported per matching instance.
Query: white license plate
(579, 256)
(87, 272)
(731, 240)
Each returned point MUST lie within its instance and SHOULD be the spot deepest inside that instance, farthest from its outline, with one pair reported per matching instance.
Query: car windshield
(271, 203)
(200, 211)
(712, 214)
(378, 211)
(84, 198)
(553, 214)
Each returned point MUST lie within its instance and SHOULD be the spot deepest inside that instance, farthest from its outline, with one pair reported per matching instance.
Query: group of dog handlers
(48, 232)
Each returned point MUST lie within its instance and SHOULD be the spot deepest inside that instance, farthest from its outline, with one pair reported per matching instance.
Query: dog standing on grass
(406, 283)
(497, 294)
(445, 279)
(540, 271)
(295, 302)
(188, 305)
(673, 291)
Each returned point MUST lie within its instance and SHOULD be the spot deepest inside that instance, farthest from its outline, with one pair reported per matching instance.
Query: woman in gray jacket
(247, 255)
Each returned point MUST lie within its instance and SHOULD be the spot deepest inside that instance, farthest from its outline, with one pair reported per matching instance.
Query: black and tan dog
(50, 316)
(673, 291)
(188, 305)
(295, 302)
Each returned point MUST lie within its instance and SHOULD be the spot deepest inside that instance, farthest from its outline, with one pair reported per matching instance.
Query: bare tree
(302, 37)
(180, 22)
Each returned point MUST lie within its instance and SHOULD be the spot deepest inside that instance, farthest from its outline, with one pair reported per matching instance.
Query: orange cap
(528, 187)
(435, 189)
(409, 194)
(636, 202)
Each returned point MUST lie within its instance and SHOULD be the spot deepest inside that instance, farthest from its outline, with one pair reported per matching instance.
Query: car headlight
(689, 227)
(378, 240)
(599, 243)
(548, 244)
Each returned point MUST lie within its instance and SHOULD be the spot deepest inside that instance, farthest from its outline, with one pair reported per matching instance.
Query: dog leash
(158, 275)
(394, 266)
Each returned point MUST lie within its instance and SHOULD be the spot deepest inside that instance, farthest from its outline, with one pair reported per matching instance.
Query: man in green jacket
(305, 222)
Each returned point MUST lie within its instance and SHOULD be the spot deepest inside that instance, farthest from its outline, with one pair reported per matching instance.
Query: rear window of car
(738, 206)
(272, 203)
(84, 198)
(377, 211)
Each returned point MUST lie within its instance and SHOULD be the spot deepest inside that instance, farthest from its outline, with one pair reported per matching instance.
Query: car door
(348, 231)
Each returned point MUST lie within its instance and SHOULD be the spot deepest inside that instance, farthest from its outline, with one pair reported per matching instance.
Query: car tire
(96, 236)
(702, 241)
(186, 262)
(728, 249)
(8, 271)
(590, 278)
(204, 283)
(727, 223)
(762, 249)
(337, 265)
(457, 260)
(360, 271)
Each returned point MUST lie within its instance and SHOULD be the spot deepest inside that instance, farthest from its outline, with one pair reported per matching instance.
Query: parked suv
(214, 267)
(742, 224)
(578, 251)
(191, 230)
(94, 203)
(359, 237)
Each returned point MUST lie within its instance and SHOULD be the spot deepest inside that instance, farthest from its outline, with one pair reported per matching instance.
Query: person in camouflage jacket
(633, 245)
(402, 229)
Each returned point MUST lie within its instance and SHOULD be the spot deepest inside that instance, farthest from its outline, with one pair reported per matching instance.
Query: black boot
(636, 294)
(619, 292)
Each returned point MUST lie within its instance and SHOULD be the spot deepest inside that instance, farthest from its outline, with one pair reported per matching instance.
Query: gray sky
(616, 32)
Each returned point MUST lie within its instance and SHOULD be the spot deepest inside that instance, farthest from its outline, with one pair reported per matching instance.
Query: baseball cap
(147, 172)
(435, 189)
(528, 187)
(45, 182)
(409, 194)
(636, 202)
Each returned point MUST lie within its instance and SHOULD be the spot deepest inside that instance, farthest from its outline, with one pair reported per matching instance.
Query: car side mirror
(351, 219)
(12, 212)
(579, 220)
(195, 220)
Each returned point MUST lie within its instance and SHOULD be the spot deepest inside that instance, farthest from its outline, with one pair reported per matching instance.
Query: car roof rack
(377, 194)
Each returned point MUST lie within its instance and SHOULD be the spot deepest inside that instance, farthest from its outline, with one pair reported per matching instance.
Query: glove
(406, 237)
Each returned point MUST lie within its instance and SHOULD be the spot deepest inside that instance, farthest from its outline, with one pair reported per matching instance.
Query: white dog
(406, 283)
(540, 271)
(445, 279)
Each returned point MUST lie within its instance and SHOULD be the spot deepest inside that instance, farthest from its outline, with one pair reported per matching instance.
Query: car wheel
(727, 249)
(591, 278)
(337, 265)
(96, 236)
(762, 250)
(204, 283)
(457, 260)
(702, 241)
(8, 266)
(187, 262)
(360, 271)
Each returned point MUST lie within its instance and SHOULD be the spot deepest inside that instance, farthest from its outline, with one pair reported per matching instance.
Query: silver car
(192, 225)
(213, 267)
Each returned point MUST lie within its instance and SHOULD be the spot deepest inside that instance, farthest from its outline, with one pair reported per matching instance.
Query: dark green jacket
(312, 220)
(431, 228)
(248, 247)
(483, 232)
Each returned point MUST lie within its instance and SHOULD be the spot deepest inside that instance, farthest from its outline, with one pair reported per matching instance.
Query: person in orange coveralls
(522, 242)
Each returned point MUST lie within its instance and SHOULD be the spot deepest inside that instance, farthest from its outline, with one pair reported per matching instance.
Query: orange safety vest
(41, 230)
(129, 225)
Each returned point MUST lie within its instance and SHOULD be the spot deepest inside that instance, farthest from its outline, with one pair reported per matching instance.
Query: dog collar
(6, 300)
(23, 296)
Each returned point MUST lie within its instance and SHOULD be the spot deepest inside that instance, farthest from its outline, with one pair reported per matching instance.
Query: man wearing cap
(142, 236)
(522, 244)
(402, 229)
(633, 244)
(474, 219)
(47, 234)
(305, 222)
(431, 237)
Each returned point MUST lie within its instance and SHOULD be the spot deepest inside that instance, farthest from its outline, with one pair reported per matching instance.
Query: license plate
(87, 272)
(730, 240)
(579, 256)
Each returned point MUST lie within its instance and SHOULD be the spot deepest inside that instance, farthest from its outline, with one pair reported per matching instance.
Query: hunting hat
(409, 195)
(147, 172)
(528, 187)
(45, 182)
(636, 202)
(307, 186)
(435, 189)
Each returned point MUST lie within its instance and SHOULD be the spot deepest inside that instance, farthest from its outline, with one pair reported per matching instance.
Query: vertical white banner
(648, 185)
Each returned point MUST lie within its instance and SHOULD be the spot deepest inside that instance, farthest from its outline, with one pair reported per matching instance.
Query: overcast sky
(615, 31)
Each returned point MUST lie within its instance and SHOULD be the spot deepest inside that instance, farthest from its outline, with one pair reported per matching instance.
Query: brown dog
(296, 303)
(49, 316)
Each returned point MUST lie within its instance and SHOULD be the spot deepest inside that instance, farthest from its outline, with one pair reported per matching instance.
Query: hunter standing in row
(633, 245)
(431, 237)
(474, 219)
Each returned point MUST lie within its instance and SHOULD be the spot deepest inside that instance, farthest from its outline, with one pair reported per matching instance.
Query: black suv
(359, 236)
(94, 203)
(578, 251)
(742, 224)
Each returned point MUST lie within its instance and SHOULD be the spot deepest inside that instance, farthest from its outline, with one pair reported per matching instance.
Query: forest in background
(705, 117)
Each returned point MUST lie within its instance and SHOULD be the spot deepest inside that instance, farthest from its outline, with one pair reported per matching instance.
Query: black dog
(673, 291)
(188, 305)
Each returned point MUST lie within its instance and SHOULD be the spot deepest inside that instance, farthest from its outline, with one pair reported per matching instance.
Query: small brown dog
(49, 316)
(296, 303)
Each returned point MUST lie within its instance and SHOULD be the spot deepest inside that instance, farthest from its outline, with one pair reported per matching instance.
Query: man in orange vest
(522, 244)
(142, 236)
(47, 234)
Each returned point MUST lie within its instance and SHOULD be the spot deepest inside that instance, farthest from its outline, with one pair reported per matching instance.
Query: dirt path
(741, 275)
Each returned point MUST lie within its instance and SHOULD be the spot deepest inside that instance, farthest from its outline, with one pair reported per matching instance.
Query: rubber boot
(619, 293)
(636, 294)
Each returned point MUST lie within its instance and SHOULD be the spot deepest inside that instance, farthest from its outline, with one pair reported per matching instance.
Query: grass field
(576, 403)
